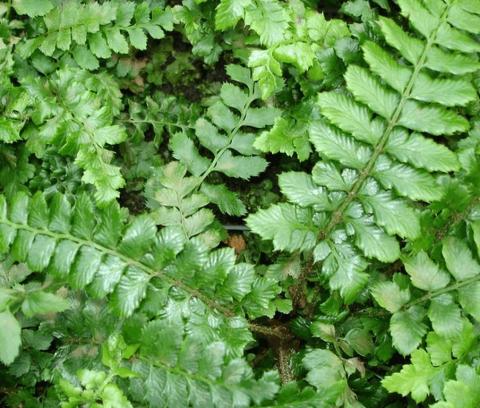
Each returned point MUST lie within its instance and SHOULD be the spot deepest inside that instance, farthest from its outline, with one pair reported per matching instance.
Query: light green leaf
(229, 12)
(110, 135)
(290, 227)
(414, 378)
(390, 296)
(116, 41)
(410, 47)
(40, 302)
(18, 208)
(431, 119)
(462, 17)
(107, 276)
(326, 174)
(468, 297)
(425, 22)
(261, 117)
(385, 66)
(198, 222)
(243, 144)
(85, 58)
(447, 92)
(83, 220)
(266, 70)
(40, 253)
(434, 157)
(408, 182)
(439, 349)
(113, 397)
(325, 372)
(462, 392)
(21, 245)
(347, 268)
(10, 130)
(284, 138)
(85, 266)
(459, 259)
(32, 8)
(209, 136)
(299, 188)
(184, 149)
(233, 96)
(425, 274)
(110, 225)
(454, 63)
(239, 280)
(393, 214)
(227, 201)
(269, 20)
(374, 242)
(38, 216)
(10, 340)
(350, 116)
(242, 167)
(98, 45)
(445, 316)
(456, 40)
(338, 146)
(407, 329)
(222, 116)
(63, 258)
(299, 54)
(138, 39)
(138, 237)
(130, 291)
(368, 90)
(239, 73)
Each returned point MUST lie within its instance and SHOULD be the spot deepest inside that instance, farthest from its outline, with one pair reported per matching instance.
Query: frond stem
(430, 295)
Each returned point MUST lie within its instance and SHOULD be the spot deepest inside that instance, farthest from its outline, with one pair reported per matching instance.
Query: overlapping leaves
(447, 301)
(74, 111)
(93, 30)
(223, 133)
(359, 196)
(96, 251)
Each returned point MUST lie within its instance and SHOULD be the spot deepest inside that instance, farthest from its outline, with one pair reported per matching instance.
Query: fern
(222, 134)
(74, 111)
(96, 251)
(359, 196)
(92, 30)
(449, 303)
(128, 277)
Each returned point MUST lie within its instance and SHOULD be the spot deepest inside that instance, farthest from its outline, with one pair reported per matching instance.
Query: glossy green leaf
(10, 340)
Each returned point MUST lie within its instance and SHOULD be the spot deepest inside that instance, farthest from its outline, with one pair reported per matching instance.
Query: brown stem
(283, 363)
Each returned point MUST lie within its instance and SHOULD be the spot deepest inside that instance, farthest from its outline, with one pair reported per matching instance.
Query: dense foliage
(234, 203)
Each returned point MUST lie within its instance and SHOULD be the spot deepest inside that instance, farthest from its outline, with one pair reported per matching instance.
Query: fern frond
(93, 30)
(74, 111)
(443, 311)
(376, 157)
(222, 133)
(95, 250)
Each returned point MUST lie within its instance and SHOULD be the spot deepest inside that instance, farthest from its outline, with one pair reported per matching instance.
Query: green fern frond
(93, 30)
(444, 313)
(74, 111)
(376, 157)
(222, 133)
(95, 250)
